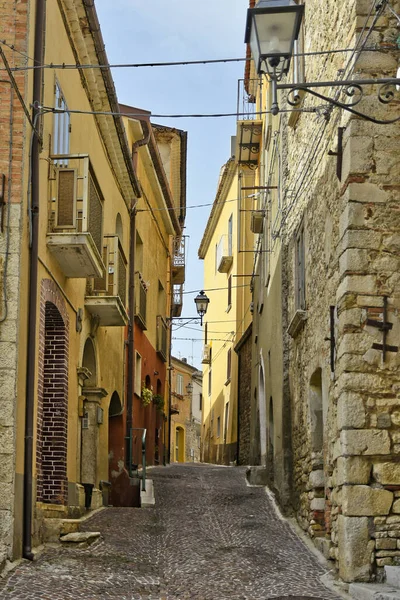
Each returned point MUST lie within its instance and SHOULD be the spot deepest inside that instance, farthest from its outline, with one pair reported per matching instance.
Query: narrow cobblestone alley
(209, 537)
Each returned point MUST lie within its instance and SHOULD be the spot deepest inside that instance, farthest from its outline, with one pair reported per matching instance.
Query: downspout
(131, 301)
(33, 285)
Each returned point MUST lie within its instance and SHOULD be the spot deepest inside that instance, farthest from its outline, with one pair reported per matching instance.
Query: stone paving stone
(210, 537)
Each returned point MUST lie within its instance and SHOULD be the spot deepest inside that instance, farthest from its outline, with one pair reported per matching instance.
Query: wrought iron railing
(249, 99)
(115, 277)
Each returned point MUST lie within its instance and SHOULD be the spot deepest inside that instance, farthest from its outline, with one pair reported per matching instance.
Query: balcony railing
(108, 297)
(224, 254)
(75, 225)
(178, 260)
(249, 126)
(162, 337)
(140, 300)
(177, 300)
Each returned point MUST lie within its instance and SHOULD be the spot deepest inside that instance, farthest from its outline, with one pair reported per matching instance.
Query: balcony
(162, 338)
(224, 254)
(75, 227)
(250, 126)
(178, 260)
(177, 300)
(140, 301)
(109, 292)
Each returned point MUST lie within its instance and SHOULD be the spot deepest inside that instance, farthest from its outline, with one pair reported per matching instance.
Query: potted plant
(147, 395)
(158, 401)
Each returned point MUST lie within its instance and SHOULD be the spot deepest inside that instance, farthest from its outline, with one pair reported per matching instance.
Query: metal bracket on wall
(339, 153)
(383, 326)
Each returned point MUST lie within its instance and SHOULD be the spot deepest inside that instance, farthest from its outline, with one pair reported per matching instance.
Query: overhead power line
(180, 63)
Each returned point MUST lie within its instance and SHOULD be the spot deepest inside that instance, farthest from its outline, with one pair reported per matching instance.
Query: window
(200, 401)
(226, 421)
(139, 253)
(209, 382)
(218, 426)
(61, 126)
(229, 293)
(138, 374)
(230, 236)
(300, 274)
(179, 384)
(228, 365)
(161, 300)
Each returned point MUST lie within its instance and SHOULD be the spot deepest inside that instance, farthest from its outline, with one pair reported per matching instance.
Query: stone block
(317, 479)
(357, 284)
(6, 440)
(350, 411)
(353, 470)
(396, 507)
(365, 442)
(6, 468)
(386, 544)
(387, 473)
(8, 354)
(6, 496)
(317, 504)
(383, 421)
(352, 217)
(355, 548)
(366, 192)
(396, 418)
(257, 475)
(364, 501)
(393, 576)
(353, 260)
(357, 156)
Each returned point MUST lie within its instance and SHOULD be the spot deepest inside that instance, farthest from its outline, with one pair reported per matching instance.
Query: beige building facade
(226, 249)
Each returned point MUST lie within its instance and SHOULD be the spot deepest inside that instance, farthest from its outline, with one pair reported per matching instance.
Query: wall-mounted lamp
(202, 302)
(271, 30)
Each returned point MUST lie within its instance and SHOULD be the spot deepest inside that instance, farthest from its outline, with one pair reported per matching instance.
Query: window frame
(61, 140)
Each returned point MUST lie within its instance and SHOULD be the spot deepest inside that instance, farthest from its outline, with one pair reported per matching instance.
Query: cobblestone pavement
(210, 537)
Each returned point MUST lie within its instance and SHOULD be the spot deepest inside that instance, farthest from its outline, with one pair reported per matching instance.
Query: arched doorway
(116, 438)
(179, 445)
(262, 412)
(53, 408)
(317, 476)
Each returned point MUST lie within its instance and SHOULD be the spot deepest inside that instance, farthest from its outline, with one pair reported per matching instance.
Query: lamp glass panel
(276, 33)
(254, 46)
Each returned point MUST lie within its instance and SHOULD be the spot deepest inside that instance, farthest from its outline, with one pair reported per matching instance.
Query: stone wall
(345, 421)
(13, 29)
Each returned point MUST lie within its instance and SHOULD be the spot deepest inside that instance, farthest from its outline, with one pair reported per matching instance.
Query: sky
(135, 31)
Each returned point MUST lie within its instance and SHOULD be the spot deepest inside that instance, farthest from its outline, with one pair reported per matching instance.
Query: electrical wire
(50, 109)
(393, 12)
(183, 63)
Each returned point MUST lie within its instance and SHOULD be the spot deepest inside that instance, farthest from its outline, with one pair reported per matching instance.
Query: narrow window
(229, 292)
(138, 375)
(179, 384)
(200, 401)
(226, 422)
(230, 236)
(61, 126)
(218, 426)
(300, 270)
(209, 381)
(228, 365)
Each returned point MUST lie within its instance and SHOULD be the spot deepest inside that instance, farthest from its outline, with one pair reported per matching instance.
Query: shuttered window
(61, 127)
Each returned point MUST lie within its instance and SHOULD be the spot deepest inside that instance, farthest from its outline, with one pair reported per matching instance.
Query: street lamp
(202, 303)
(272, 28)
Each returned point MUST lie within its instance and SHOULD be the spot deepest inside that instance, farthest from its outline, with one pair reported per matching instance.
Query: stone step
(373, 591)
(80, 538)
(147, 498)
(393, 576)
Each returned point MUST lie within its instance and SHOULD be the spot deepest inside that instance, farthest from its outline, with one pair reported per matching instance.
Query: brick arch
(51, 456)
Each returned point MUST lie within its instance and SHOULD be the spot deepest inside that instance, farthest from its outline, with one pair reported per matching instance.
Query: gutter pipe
(33, 286)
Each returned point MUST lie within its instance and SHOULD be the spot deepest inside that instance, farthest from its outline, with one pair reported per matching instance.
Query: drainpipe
(131, 330)
(33, 286)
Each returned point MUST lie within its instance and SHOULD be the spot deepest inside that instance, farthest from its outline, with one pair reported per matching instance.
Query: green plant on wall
(147, 395)
(158, 401)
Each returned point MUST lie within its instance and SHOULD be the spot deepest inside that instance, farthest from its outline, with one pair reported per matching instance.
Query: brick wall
(244, 401)
(51, 454)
